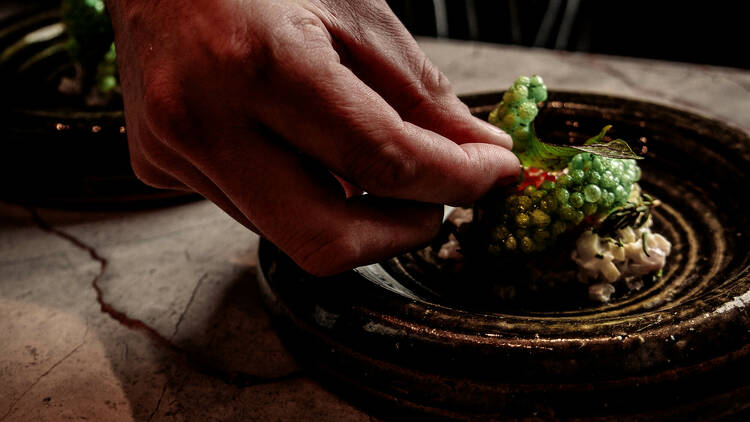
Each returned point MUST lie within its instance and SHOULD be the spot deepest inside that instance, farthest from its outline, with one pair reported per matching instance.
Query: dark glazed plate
(54, 149)
(679, 348)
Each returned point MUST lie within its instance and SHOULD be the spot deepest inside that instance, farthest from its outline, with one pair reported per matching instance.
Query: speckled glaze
(56, 151)
(677, 349)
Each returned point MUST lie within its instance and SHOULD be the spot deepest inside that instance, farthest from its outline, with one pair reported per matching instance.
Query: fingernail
(496, 135)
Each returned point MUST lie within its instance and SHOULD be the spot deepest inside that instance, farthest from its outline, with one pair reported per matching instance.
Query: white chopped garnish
(450, 249)
(461, 216)
(601, 292)
(627, 235)
(634, 283)
(635, 194)
(611, 260)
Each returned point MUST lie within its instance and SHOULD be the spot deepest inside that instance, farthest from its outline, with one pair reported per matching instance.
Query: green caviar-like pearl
(527, 111)
(564, 181)
(577, 162)
(578, 217)
(519, 93)
(576, 199)
(594, 177)
(577, 176)
(538, 93)
(540, 218)
(521, 133)
(527, 245)
(608, 199)
(592, 193)
(524, 203)
(522, 220)
(589, 208)
(548, 204)
(621, 194)
(548, 185)
(507, 98)
(522, 80)
(562, 195)
(510, 121)
(608, 181)
(597, 164)
(510, 243)
(499, 233)
(567, 212)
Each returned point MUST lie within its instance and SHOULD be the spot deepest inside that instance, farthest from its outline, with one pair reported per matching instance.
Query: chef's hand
(255, 104)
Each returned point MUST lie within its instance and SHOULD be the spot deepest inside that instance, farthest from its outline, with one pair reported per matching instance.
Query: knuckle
(429, 88)
(153, 176)
(298, 38)
(162, 104)
(432, 79)
(147, 173)
(146, 158)
(389, 169)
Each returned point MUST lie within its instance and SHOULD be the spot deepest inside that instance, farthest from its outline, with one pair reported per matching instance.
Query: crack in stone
(200, 364)
(12, 406)
(187, 307)
(105, 307)
(158, 402)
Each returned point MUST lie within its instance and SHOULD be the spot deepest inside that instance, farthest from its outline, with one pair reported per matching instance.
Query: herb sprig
(632, 214)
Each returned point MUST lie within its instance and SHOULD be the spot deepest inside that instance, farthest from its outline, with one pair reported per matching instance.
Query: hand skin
(257, 104)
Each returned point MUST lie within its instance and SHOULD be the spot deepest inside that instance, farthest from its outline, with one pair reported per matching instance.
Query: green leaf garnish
(644, 243)
(598, 138)
(552, 157)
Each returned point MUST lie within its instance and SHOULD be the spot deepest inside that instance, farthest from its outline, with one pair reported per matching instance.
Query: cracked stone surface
(154, 315)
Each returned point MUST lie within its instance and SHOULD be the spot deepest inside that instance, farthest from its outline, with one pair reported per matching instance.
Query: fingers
(336, 118)
(301, 208)
(383, 54)
(157, 165)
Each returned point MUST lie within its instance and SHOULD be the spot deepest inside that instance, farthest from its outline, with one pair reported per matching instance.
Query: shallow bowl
(389, 336)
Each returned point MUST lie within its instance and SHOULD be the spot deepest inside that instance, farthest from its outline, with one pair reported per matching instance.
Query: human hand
(255, 104)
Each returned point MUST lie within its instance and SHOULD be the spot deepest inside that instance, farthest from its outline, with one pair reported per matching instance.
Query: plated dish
(577, 211)
(62, 129)
(402, 333)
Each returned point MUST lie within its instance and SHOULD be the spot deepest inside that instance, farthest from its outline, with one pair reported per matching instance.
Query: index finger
(330, 114)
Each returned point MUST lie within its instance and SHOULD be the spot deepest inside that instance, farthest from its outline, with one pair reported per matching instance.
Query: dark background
(702, 32)
(714, 32)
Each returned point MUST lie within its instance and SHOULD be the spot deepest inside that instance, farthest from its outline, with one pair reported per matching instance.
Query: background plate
(677, 348)
(54, 149)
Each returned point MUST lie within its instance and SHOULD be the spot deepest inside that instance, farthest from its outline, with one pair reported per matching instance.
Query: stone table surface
(153, 315)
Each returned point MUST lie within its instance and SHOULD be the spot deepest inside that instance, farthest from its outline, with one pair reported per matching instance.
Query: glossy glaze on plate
(54, 149)
(677, 348)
